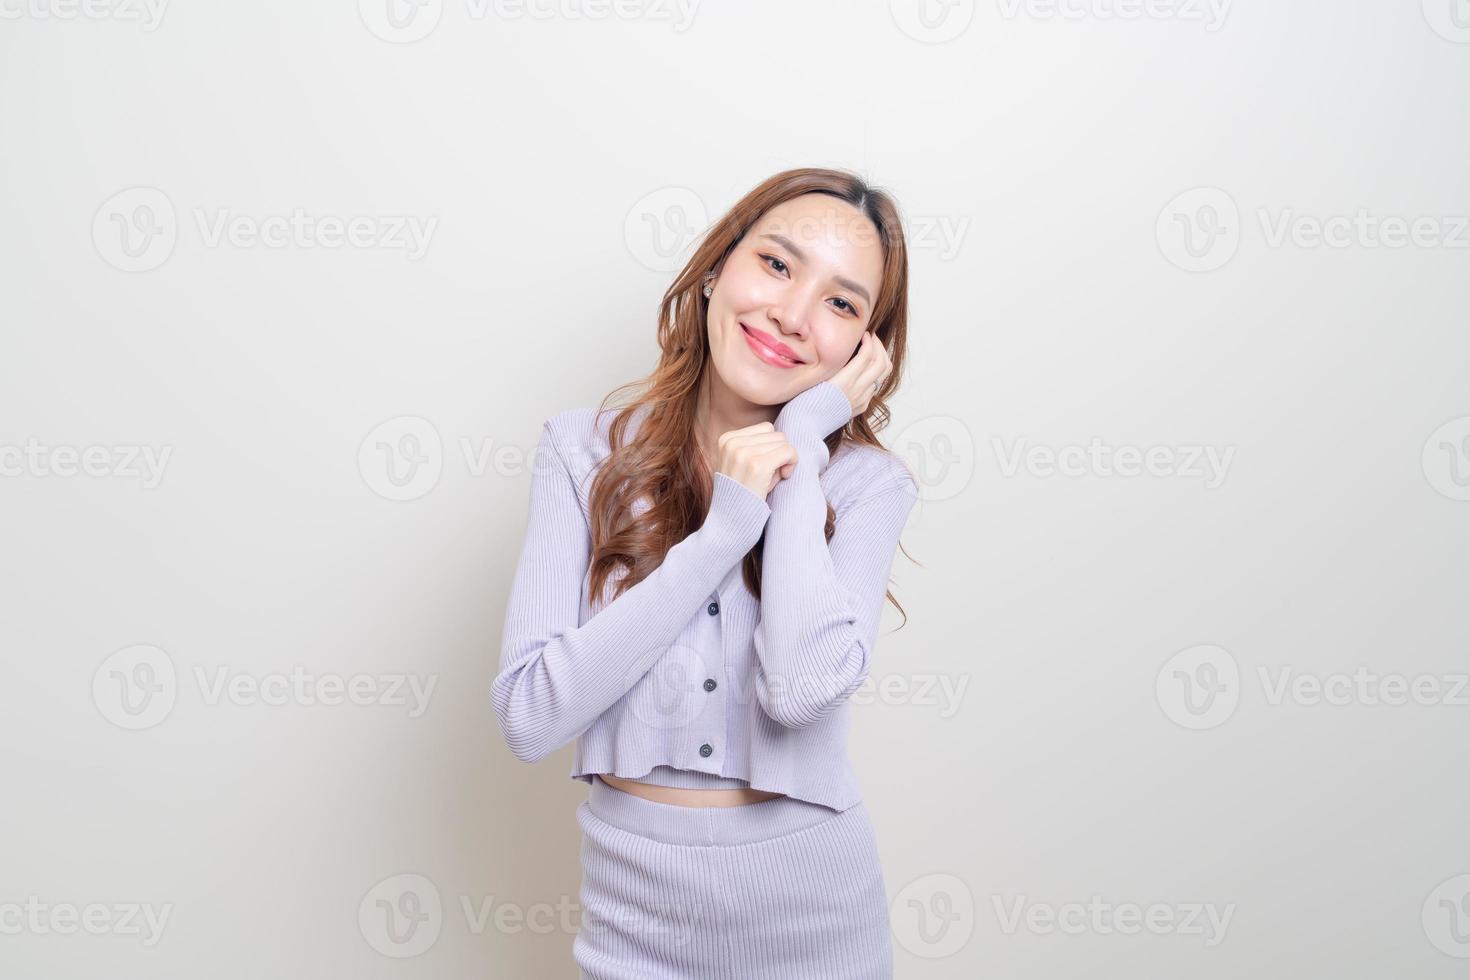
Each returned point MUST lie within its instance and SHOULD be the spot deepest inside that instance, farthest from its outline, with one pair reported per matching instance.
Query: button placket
(714, 713)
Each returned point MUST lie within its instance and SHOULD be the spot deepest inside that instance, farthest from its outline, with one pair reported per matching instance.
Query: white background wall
(1096, 204)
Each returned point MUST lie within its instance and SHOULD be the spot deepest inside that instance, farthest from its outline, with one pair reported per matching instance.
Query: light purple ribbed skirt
(782, 889)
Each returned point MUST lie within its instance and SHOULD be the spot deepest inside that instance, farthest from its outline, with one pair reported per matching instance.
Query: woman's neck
(717, 410)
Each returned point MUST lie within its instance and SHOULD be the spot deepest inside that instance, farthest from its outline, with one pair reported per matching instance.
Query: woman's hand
(858, 377)
(760, 456)
(757, 456)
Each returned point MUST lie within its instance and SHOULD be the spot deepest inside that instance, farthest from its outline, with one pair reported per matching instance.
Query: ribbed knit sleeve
(558, 675)
(821, 601)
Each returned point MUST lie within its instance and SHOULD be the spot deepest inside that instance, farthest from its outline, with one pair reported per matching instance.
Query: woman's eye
(780, 266)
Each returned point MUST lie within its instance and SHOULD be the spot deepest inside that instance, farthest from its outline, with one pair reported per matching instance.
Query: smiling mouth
(754, 339)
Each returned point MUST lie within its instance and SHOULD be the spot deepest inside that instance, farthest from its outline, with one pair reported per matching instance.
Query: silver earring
(709, 284)
(709, 291)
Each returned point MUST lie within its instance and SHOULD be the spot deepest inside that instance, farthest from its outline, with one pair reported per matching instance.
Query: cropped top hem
(838, 792)
(665, 775)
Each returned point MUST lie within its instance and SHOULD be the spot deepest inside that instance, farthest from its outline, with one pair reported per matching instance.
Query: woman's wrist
(816, 412)
(737, 516)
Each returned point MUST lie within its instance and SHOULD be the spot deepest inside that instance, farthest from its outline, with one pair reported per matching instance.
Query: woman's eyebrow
(842, 281)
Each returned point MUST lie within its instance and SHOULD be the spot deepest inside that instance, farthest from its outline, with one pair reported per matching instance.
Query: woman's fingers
(757, 457)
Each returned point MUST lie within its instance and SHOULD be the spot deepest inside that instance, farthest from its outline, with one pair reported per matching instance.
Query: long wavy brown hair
(662, 463)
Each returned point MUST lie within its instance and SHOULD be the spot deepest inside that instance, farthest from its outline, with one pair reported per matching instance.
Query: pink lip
(767, 347)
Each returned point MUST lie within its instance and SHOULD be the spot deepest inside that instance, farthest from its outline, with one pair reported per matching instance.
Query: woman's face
(803, 279)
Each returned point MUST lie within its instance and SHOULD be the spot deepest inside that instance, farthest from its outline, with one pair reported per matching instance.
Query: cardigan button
(705, 750)
(713, 608)
(709, 683)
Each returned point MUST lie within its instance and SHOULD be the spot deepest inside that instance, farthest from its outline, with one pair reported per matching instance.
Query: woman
(737, 523)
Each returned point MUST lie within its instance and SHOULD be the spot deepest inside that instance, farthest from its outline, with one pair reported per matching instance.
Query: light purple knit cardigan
(686, 673)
